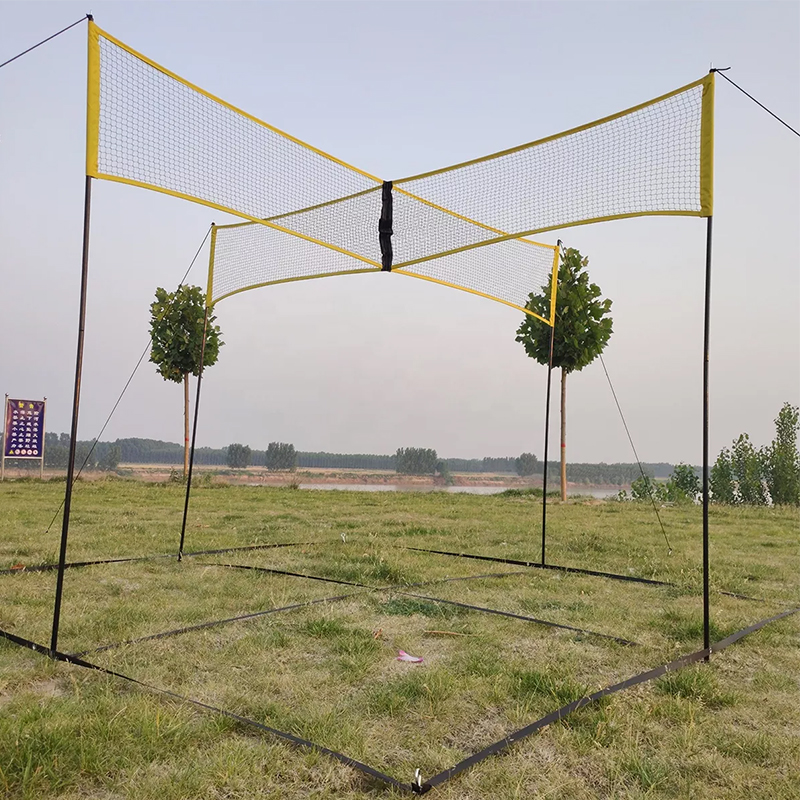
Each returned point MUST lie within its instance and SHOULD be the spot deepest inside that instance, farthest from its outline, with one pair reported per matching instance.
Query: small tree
(582, 330)
(109, 460)
(416, 461)
(683, 484)
(281, 456)
(753, 476)
(85, 456)
(748, 472)
(56, 449)
(647, 488)
(782, 460)
(498, 464)
(443, 469)
(526, 464)
(721, 483)
(176, 334)
(238, 456)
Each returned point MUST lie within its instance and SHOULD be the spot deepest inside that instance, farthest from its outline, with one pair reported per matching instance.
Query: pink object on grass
(403, 656)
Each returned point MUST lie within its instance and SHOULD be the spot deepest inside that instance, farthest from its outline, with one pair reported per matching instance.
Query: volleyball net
(309, 215)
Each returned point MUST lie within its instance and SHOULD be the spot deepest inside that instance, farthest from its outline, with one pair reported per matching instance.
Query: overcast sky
(370, 363)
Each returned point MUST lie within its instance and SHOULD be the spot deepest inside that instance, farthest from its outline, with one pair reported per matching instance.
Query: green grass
(328, 672)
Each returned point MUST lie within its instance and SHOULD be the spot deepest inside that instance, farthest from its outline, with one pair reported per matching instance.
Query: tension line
(124, 388)
(63, 30)
(636, 455)
(721, 73)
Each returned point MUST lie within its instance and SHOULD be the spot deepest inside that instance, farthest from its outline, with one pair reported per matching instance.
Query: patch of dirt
(47, 687)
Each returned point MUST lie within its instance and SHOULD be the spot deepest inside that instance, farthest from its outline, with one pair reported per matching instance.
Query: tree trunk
(563, 434)
(185, 424)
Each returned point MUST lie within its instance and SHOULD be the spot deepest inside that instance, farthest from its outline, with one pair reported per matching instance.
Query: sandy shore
(159, 473)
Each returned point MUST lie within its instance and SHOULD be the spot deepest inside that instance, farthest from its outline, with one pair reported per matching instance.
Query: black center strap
(22, 569)
(385, 230)
(264, 612)
(556, 567)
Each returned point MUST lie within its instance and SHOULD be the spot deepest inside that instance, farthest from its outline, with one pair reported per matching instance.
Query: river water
(587, 491)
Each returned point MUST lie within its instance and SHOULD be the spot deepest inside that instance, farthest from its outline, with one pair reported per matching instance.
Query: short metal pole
(194, 437)
(547, 442)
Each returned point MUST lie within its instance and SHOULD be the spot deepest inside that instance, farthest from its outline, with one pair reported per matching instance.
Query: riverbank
(345, 480)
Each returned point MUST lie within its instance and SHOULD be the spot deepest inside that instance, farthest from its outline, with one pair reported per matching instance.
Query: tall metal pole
(706, 330)
(547, 442)
(73, 440)
(194, 437)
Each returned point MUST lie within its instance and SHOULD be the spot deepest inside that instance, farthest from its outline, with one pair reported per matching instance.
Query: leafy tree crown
(280, 456)
(583, 325)
(238, 455)
(685, 482)
(416, 461)
(176, 333)
(526, 464)
(783, 459)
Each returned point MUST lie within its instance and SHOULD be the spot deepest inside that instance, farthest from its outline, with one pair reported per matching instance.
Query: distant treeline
(108, 455)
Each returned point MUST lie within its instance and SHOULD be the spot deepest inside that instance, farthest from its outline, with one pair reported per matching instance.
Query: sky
(359, 364)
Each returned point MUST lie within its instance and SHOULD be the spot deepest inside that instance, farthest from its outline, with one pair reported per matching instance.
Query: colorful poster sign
(23, 432)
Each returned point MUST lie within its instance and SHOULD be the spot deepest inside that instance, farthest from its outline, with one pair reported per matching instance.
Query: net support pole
(76, 398)
(706, 332)
(194, 437)
(547, 442)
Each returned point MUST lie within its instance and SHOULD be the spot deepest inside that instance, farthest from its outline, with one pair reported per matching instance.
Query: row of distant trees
(279, 456)
(406, 461)
(181, 328)
(104, 456)
(109, 455)
(742, 474)
(425, 461)
(185, 338)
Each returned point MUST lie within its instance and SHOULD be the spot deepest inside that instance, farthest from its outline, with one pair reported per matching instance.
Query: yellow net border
(144, 124)
(547, 258)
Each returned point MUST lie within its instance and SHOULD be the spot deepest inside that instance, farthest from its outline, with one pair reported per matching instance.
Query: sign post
(23, 432)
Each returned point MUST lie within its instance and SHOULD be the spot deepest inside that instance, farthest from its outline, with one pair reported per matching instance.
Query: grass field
(328, 672)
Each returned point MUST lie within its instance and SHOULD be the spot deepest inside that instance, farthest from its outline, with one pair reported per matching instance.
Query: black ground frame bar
(73, 564)
(368, 589)
(538, 565)
(419, 786)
